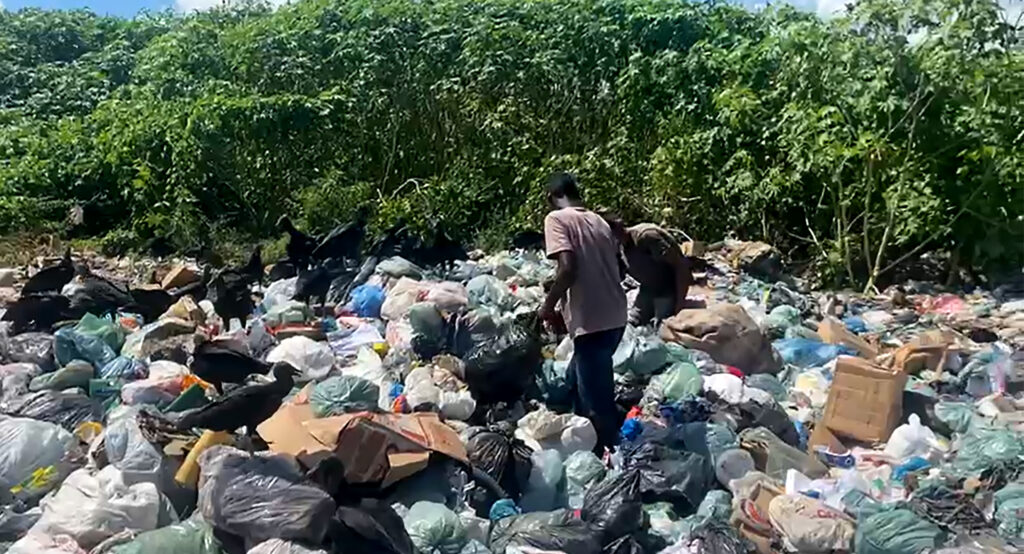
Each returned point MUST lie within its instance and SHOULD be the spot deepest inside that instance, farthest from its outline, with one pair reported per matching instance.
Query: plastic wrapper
(314, 359)
(897, 531)
(31, 348)
(434, 529)
(810, 353)
(545, 483)
(67, 409)
(556, 531)
(614, 506)
(75, 374)
(582, 469)
(92, 508)
(366, 300)
(15, 378)
(343, 394)
(260, 497)
(193, 536)
(70, 344)
(28, 446)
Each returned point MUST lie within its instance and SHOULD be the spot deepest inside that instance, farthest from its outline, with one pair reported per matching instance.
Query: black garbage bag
(716, 537)
(557, 531)
(501, 369)
(629, 390)
(369, 527)
(680, 477)
(924, 406)
(32, 348)
(771, 416)
(505, 459)
(67, 409)
(614, 506)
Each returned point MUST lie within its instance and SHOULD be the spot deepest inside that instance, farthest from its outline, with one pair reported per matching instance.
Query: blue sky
(128, 8)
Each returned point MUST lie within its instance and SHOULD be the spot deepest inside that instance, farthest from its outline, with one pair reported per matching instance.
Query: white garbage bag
(129, 451)
(28, 445)
(912, 439)
(93, 507)
(314, 359)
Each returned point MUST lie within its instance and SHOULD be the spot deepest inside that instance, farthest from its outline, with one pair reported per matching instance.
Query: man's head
(563, 190)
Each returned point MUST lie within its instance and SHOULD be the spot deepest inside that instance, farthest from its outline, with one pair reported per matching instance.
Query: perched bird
(246, 406)
(344, 241)
(150, 303)
(222, 361)
(315, 282)
(300, 246)
(39, 312)
(52, 278)
(283, 269)
(229, 292)
(97, 295)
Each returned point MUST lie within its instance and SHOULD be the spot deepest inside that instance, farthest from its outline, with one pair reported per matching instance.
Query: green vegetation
(857, 142)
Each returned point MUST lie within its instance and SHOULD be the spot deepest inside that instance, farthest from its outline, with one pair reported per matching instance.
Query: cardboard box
(373, 447)
(751, 517)
(865, 402)
(833, 331)
(927, 351)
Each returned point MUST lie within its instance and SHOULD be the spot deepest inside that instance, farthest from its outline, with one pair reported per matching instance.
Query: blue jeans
(590, 374)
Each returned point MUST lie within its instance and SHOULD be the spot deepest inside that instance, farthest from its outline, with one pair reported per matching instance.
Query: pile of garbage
(427, 410)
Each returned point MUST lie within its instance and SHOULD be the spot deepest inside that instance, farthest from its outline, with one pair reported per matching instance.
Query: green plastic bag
(649, 355)
(678, 353)
(343, 394)
(957, 415)
(103, 328)
(434, 529)
(897, 531)
(1009, 502)
(984, 447)
(779, 320)
(193, 536)
(75, 374)
(680, 381)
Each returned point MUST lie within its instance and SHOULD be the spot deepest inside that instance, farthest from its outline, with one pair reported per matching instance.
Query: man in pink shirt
(593, 304)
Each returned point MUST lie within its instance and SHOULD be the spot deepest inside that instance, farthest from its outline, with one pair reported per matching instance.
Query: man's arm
(565, 276)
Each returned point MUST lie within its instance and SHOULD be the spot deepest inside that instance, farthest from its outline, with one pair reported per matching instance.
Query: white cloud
(832, 8)
(200, 5)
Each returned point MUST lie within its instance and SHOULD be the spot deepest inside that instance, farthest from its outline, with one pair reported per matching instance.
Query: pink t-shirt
(596, 301)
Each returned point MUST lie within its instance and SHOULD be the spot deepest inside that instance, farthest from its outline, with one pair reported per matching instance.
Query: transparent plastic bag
(29, 445)
(261, 497)
(542, 492)
(314, 359)
(15, 378)
(129, 451)
(64, 408)
(434, 529)
(94, 507)
(32, 348)
(582, 469)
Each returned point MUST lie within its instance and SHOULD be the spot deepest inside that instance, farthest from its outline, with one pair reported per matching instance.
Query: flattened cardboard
(373, 447)
(927, 351)
(865, 401)
(833, 331)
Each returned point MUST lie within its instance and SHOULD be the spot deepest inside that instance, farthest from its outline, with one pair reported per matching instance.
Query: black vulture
(300, 246)
(39, 312)
(313, 283)
(52, 278)
(229, 292)
(246, 406)
(283, 269)
(97, 295)
(344, 241)
(222, 361)
(150, 303)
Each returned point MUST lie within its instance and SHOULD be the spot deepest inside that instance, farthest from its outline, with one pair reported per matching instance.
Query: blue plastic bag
(367, 300)
(70, 344)
(123, 367)
(810, 353)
